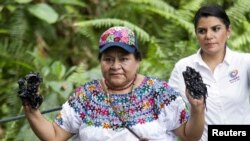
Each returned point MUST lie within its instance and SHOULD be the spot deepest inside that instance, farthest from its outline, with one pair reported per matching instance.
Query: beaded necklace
(119, 110)
(122, 113)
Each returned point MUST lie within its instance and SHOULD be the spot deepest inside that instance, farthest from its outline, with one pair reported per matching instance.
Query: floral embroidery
(150, 82)
(145, 104)
(141, 121)
(59, 118)
(183, 116)
(106, 125)
(91, 88)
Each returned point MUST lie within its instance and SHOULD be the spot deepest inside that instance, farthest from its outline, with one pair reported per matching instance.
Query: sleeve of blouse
(176, 80)
(175, 111)
(68, 118)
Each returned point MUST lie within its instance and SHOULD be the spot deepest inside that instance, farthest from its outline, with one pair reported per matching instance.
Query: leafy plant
(59, 39)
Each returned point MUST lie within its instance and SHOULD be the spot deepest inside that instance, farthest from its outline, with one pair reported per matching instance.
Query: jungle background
(59, 39)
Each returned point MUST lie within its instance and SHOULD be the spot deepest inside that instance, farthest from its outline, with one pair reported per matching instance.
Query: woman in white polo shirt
(226, 72)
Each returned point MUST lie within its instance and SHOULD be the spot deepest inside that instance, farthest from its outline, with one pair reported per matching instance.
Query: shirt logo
(234, 76)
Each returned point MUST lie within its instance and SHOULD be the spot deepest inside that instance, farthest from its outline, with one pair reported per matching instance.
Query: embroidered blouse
(152, 110)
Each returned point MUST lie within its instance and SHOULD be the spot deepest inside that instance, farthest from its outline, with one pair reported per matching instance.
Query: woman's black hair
(211, 10)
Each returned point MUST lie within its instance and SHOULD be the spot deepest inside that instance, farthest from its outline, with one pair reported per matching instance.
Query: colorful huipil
(152, 110)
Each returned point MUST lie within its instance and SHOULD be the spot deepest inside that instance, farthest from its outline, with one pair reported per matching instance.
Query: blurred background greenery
(59, 39)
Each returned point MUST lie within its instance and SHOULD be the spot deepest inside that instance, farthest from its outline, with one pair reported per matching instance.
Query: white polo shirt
(228, 100)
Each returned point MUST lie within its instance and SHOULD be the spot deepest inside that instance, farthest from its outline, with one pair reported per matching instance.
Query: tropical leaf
(59, 38)
(44, 12)
(174, 17)
(157, 4)
(23, 1)
(243, 40)
(141, 34)
(69, 2)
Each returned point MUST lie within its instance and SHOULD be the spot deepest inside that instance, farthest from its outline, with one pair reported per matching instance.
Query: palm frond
(141, 34)
(191, 5)
(18, 25)
(175, 18)
(13, 54)
(238, 10)
(187, 9)
(158, 4)
(242, 40)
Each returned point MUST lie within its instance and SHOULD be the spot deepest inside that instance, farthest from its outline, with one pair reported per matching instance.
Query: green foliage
(44, 12)
(59, 39)
(141, 34)
(71, 2)
(23, 1)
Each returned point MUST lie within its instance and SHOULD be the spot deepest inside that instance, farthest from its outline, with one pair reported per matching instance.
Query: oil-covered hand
(28, 90)
(194, 84)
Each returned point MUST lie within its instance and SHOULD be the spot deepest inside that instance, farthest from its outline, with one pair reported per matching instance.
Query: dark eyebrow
(218, 25)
